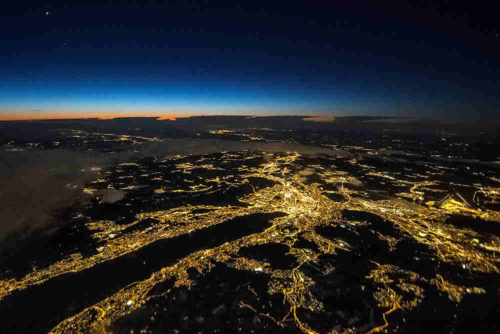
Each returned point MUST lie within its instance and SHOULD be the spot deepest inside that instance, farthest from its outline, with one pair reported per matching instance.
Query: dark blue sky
(428, 58)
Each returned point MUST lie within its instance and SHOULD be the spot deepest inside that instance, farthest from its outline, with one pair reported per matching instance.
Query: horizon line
(158, 116)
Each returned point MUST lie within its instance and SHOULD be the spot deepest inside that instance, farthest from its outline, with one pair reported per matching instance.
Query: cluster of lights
(307, 207)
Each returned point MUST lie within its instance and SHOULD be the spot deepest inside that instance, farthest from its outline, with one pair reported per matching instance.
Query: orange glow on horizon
(32, 116)
(47, 116)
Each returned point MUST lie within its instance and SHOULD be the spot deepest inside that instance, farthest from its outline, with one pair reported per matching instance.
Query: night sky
(112, 58)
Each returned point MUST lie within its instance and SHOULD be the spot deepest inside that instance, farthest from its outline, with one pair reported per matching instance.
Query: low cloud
(38, 185)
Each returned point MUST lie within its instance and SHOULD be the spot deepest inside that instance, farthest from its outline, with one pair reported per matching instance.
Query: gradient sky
(98, 58)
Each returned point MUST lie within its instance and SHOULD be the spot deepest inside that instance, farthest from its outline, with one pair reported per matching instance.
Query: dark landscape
(205, 225)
